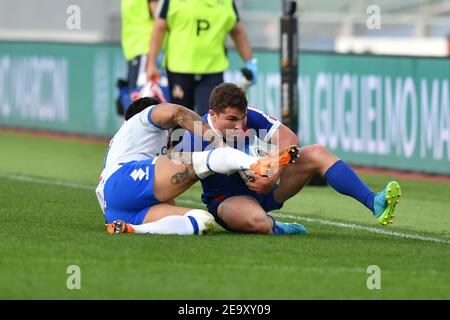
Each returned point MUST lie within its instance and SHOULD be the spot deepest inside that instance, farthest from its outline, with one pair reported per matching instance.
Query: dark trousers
(135, 68)
(193, 90)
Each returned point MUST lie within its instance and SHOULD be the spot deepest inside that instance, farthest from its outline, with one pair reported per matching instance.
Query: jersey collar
(208, 119)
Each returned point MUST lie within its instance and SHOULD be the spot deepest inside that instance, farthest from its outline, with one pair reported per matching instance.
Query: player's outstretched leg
(385, 202)
(193, 222)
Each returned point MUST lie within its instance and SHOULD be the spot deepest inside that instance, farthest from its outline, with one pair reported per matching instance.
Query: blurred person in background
(196, 57)
(137, 25)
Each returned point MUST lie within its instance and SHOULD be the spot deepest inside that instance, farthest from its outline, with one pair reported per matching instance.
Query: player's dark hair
(227, 95)
(140, 104)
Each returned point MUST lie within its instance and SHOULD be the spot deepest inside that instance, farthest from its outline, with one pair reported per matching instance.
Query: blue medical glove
(253, 67)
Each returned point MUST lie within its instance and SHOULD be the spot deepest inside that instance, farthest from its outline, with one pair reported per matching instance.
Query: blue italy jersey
(217, 186)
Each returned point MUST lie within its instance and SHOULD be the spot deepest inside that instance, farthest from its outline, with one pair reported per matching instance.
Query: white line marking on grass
(364, 228)
(283, 214)
(47, 181)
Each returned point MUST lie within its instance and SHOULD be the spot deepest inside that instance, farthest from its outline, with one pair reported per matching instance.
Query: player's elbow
(160, 25)
(238, 30)
(287, 137)
(290, 139)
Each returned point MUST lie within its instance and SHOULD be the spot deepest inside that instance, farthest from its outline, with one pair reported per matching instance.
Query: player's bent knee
(205, 220)
(315, 153)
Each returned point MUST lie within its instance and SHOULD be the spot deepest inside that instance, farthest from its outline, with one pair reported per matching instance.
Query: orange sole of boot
(264, 165)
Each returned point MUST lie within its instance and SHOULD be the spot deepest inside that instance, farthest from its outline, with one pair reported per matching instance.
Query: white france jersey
(139, 138)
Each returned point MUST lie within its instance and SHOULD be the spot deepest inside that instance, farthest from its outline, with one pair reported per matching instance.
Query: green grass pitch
(50, 219)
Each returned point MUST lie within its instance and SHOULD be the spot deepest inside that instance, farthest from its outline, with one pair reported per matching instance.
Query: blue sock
(344, 180)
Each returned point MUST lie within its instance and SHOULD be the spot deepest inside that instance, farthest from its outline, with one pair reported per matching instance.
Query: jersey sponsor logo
(139, 174)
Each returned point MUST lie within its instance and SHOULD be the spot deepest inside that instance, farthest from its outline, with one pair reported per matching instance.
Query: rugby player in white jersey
(139, 181)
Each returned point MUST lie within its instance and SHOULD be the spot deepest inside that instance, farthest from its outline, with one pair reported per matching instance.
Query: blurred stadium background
(377, 97)
(321, 22)
(385, 111)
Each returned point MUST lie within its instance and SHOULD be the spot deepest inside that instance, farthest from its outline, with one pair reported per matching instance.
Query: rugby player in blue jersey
(242, 206)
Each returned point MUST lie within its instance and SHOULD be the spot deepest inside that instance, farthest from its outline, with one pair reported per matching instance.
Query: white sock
(194, 221)
(181, 225)
(221, 160)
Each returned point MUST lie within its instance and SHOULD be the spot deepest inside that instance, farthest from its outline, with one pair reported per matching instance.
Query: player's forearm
(240, 38)
(192, 122)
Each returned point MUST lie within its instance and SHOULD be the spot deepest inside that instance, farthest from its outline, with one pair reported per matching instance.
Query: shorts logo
(139, 174)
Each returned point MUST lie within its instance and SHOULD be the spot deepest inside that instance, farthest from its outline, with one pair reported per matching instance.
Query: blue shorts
(266, 201)
(128, 192)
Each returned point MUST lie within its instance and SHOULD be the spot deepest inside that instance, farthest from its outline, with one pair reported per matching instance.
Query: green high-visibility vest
(197, 30)
(137, 26)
